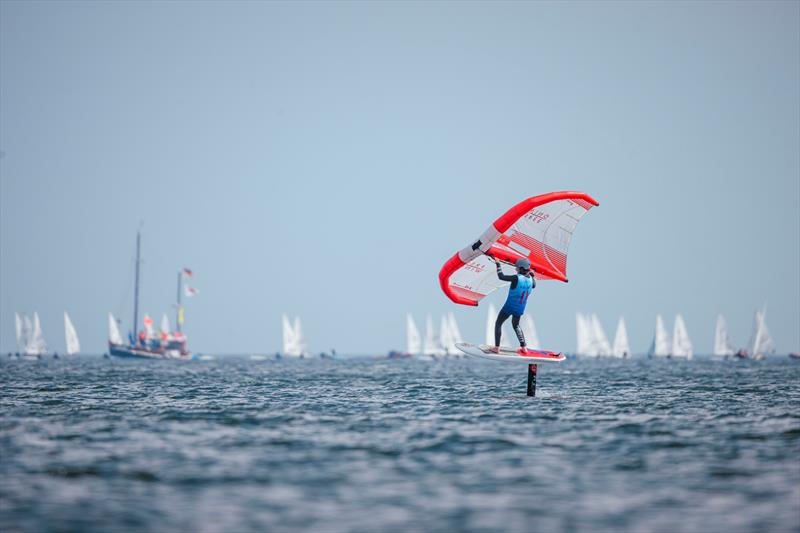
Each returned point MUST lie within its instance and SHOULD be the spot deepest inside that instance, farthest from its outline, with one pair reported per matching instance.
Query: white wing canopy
(539, 228)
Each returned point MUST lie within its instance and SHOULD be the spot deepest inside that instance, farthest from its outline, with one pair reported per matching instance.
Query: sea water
(89, 444)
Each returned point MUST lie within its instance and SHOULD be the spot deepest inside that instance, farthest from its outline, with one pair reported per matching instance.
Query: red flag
(187, 272)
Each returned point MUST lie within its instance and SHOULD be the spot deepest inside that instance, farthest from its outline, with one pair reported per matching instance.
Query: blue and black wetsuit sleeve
(506, 277)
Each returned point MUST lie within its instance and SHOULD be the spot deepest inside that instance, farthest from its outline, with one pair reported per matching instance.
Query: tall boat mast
(136, 284)
(178, 313)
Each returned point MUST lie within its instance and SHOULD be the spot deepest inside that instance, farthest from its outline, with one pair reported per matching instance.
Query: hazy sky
(324, 159)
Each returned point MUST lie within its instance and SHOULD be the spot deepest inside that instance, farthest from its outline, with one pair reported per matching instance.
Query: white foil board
(509, 355)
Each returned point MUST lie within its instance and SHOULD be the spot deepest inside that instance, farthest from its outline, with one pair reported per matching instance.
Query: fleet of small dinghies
(435, 344)
(30, 340)
(679, 347)
(592, 341)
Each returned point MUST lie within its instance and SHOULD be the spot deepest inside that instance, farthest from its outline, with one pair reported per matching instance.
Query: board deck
(509, 355)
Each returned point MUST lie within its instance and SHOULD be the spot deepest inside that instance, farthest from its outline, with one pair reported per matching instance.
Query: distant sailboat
(722, 342)
(287, 335)
(71, 336)
(621, 346)
(445, 337)
(603, 348)
(26, 345)
(114, 337)
(491, 318)
(455, 335)
(298, 337)
(145, 344)
(455, 332)
(36, 345)
(293, 343)
(529, 330)
(661, 346)
(430, 346)
(761, 342)
(583, 333)
(413, 340)
(18, 330)
(681, 345)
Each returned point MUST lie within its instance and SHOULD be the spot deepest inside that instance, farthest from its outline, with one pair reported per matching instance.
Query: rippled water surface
(359, 445)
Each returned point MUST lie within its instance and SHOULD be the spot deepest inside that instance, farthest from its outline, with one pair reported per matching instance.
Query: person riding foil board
(522, 284)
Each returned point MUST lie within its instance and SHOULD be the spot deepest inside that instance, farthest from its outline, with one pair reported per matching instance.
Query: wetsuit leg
(498, 326)
(517, 330)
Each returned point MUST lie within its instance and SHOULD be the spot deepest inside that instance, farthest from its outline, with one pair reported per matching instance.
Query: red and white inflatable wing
(539, 228)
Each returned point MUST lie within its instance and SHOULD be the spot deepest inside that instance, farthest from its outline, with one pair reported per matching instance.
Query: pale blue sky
(325, 159)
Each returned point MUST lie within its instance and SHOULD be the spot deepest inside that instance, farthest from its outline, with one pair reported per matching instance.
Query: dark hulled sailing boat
(143, 344)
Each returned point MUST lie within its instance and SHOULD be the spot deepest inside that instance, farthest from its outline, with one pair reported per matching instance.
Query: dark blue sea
(234, 445)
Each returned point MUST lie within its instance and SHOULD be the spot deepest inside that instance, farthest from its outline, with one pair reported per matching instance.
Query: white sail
(298, 337)
(164, 328)
(18, 331)
(445, 336)
(455, 332)
(27, 335)
(603, 348)
(113, 331)
(491, 317)
(621, 346)
(661, 346)
(681, 345)
(413, 340)
(529, 330)
(455, 335)
(583, 346)
(289, 344)
(722, 342)
(148, 327)
(430, 346)
(761, 343)
(37, 345)
(71, 336)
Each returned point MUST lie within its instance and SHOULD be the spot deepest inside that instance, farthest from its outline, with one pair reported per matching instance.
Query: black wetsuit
(503, 315)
